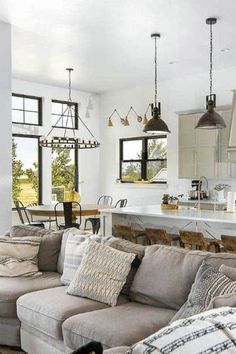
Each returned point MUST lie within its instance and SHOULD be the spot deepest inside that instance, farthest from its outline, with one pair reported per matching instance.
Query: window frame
(144, 159)
(40, 106)
(40, 165)
(76, 127)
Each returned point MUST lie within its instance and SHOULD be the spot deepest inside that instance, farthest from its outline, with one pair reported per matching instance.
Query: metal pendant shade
(156, 125)
(211, 119)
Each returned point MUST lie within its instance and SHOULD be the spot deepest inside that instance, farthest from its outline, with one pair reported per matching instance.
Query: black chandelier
(156, 125)
(211, 119)
(66, 141)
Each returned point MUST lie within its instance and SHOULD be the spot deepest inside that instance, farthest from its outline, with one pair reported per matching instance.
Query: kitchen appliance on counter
(197, 191)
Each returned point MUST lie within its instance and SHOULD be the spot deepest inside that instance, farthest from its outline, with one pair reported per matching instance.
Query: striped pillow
(102, 273)
(19, 255)
(209, 283)
(74, 250)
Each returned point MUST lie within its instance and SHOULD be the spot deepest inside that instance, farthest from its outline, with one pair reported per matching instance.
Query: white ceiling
(108, 41)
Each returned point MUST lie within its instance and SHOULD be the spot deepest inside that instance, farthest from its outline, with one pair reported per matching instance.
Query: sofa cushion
(217, 259)
(228, 271)
(49, 247)
(46, 310)
(165, 276)
(101, 274)
(115, 326)
(12, 288)
(209, 283)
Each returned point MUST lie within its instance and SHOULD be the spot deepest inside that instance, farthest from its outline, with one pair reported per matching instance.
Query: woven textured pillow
(76, 244)
(102, 273)
(209, 283)
(209, 332)
(19, 255)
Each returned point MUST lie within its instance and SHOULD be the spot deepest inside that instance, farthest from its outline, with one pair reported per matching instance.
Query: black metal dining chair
(67, 208)
(121, 203)
(95, 221)
(25, 218)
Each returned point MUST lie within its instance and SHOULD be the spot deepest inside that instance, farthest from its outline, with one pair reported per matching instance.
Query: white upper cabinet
(203, 152)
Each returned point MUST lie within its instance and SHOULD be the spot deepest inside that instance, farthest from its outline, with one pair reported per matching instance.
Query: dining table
(49, 210)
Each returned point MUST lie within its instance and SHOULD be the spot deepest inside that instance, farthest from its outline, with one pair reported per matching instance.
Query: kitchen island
(210, 222)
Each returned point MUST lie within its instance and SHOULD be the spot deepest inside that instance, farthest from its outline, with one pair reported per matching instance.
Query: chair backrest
(68, 213)
(21, 210)
(121, 203)
(105, 200)
(229, 243)
(192, 238)
(158, 236)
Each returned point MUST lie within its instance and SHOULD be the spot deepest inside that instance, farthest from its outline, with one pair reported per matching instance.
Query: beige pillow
(102, 273)
(228, 271)
(19, 255)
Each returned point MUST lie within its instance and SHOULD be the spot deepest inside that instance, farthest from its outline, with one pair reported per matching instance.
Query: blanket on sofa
(213, 331)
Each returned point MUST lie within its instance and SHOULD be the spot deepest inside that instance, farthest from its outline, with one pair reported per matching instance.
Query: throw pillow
(129, 247)
(213, 331)
(208, 284)
(74, 249)
(49, 247)
(18, 255)
(102, 273)
(228, 271)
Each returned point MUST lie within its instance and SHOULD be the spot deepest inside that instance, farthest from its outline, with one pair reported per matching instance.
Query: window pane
(132, 150)
(157, 148)
(157, 171)
(31, 118)
(131, 171)
(25, 169)
(63, 173)
(17, 102)
(31, 104)
(57, 108)
(17, 116)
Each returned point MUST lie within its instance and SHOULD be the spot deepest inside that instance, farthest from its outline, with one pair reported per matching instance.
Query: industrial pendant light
(156, 125)
(211, 119)
(69, 140)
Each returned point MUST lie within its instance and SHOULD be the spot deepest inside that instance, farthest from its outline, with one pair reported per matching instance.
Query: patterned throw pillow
(102, 273)
(19, 255)
(213, 331)
(208, 284)
(76, 244)
(129, 247)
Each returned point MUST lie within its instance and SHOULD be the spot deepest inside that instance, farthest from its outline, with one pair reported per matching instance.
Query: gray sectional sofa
(41, 317)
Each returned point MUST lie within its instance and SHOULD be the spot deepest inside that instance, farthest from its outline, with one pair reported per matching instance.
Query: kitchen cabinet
(203, 152)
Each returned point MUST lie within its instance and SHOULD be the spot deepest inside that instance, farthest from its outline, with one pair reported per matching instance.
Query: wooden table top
(48, 210)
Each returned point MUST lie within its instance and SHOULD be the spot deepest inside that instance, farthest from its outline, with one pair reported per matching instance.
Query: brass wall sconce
(125, 121)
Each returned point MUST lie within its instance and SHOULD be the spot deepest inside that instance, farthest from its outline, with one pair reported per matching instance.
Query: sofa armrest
(223, 300)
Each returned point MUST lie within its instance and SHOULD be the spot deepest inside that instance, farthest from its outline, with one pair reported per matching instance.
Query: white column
(5, 124)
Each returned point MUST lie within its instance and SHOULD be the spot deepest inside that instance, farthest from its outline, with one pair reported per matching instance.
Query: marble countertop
(203, 201)
(184, 214)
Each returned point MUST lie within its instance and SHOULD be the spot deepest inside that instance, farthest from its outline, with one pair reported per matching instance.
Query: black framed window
(58, 111)
(26, 169)
(143, 158)
(26, 109)
(64, 173)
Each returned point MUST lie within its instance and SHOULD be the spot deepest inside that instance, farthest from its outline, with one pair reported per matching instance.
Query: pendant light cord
(211, 58)
(155, 71)
(69, 84)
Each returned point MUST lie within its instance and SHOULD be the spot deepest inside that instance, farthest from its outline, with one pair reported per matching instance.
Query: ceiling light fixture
(68, 141)
(156, 125)
(211, 119)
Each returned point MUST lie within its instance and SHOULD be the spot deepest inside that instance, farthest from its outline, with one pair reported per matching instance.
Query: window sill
(160, 186)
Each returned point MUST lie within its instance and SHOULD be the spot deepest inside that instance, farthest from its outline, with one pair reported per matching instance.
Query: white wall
(187, 93)
(88, 159)
(5, 123)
